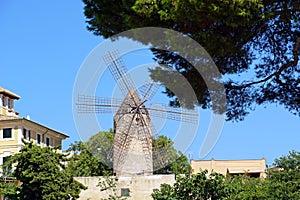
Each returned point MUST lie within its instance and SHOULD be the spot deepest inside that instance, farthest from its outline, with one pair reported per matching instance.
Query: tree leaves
(93, 157)
(197, 186)
(41, 172)
(281, 183)
(237, 35)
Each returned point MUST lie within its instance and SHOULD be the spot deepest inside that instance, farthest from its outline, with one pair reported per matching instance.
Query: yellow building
(252, 168)
(13, 128)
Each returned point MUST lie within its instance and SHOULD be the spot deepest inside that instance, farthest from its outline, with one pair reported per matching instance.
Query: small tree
(84, 163)
(285, 183)
(42, 175)
(169, 160)
(92, 158)
(109, 183)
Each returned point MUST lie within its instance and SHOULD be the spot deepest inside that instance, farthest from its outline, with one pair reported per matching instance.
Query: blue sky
(44, 43)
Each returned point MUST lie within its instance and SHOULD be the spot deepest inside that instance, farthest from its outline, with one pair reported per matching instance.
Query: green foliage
(285, 183)
(100, 146)
(257, 36)
(281, 184)
(42, 175)
(173, 161)
(8, 187)
(85, 164)
(244, 187)
(197, 186)
(166, 192)
(93, 158)
(289, 162)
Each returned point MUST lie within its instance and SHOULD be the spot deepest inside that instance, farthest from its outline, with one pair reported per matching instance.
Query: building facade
(13, 129)
(252, 168)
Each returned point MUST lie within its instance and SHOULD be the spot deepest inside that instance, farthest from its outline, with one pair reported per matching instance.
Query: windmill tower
(132, 146)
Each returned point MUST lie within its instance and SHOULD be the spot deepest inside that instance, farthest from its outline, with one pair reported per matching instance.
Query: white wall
(141, 187)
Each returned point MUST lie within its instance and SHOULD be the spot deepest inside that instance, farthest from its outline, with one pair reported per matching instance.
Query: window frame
(47, 140)
(5, 159)
(28, 135)
(11, 133)
(125, 192)
(38, 139)
(9, 105)
(24, 132)
(4, 101)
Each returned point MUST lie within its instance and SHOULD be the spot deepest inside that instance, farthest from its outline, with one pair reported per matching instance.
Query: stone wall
(140, 187)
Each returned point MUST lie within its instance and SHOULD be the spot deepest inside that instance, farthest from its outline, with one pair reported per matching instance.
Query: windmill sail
(119, 71)
(132, 147)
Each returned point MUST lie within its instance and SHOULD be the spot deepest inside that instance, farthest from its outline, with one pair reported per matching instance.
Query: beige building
(13, 128)
(252, 168)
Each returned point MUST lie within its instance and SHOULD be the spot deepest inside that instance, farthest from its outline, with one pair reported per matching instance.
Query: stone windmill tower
(132, 146)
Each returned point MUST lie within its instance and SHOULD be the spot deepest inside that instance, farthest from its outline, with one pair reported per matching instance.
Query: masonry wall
(140, 187)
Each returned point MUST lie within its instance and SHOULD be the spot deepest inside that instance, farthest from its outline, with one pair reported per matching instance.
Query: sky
(42, 47)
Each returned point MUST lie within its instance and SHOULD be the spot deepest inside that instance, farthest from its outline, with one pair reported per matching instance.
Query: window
(125, 192)
(38, 138)
(24, 133)
(7, 133)
(8, 168)
(5, 159)
(9, 103)
(28, 135)
(254, 174)
(47, 141)
(3, 101)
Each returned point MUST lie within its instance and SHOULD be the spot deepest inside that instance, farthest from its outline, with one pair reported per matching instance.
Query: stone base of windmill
(137, 187)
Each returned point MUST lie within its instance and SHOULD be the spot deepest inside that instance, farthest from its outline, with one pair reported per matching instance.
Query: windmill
(132, 146)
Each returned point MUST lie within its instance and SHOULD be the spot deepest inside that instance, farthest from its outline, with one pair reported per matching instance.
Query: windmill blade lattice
(163, 157)
(119, 71)
(178, 114)
(148, 90)
(93, 104)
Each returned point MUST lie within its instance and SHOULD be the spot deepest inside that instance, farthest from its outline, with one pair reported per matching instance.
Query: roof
(26, 121)
(257, 159)
(4, 117)
(9, 93)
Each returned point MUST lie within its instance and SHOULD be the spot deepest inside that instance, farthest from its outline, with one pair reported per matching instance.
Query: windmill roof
(128, 100)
